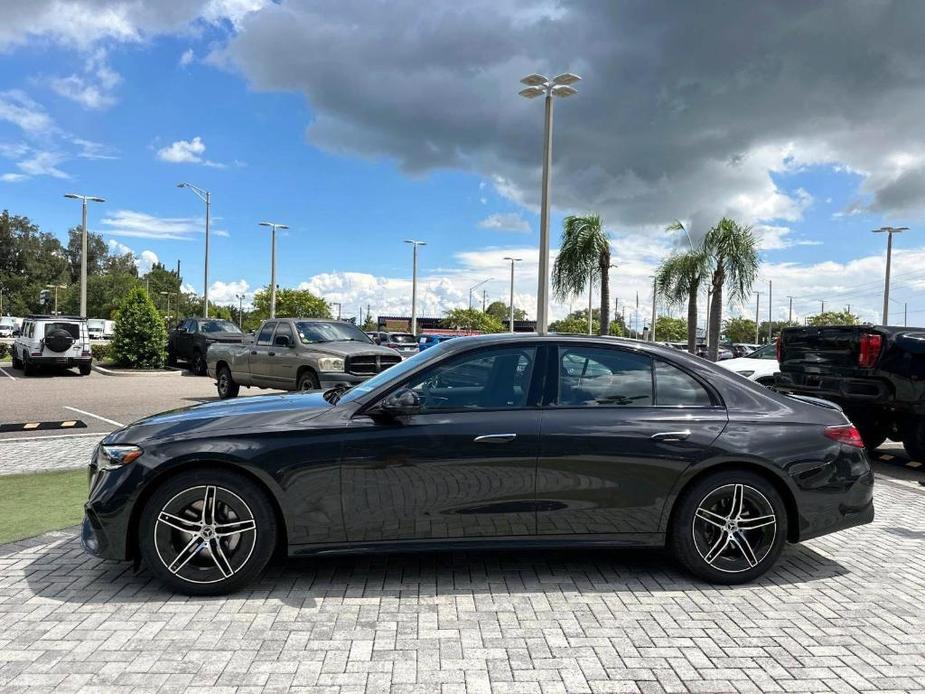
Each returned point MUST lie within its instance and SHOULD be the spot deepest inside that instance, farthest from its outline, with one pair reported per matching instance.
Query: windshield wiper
(332, 395)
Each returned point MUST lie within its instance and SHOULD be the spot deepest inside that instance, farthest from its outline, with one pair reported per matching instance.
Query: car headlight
(114, 457)
(745, 373)
(331, 364)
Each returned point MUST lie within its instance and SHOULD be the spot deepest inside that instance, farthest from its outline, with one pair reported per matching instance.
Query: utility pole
(654, 304)
(484, 297)
(511, 307)
(83, 246)
(790, 312)
(206, 197)
(590, 305)
(889, 231)
(905, 314)
(757, 304)
(56, 287)
(414, 283)
(823, 305)
(770, 312)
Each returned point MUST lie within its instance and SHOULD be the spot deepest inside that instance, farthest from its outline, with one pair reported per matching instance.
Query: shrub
(140, 339)
(4, 350)
(101, 352)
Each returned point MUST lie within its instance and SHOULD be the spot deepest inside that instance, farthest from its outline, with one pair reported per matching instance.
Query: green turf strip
(36, 503)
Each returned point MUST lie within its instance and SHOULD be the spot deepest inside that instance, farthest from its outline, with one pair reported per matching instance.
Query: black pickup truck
(875, 373)
(190, 339)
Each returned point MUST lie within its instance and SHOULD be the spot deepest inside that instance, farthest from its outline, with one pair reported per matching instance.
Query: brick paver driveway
(841, 613)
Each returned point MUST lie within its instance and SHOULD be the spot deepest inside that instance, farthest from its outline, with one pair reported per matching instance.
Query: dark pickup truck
(875, 373)
(190, 339)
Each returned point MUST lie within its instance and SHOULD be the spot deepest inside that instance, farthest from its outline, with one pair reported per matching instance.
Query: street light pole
(273, 228)
(206, 197)
(790, 312)
(476, 286)
(240, 298)
(538, 85)
(56, 287)
(770, 311)
(513, 260)
(654, 302)
(338, 304)
(414, 283)
(757, 304)
(889, 231)
(83, 246)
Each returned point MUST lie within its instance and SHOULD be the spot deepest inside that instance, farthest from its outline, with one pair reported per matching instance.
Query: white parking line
(3, 371)
(95, 416)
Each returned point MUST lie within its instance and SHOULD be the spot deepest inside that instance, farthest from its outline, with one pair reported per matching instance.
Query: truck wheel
(27, 368)
(307, 381)
(225, 384)
(171, 358)
(84, 369)
(914, 441)
(198, 365)
(17, 364)
(873, 433)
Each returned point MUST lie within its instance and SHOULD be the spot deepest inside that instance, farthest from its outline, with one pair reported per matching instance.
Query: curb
(141, 372)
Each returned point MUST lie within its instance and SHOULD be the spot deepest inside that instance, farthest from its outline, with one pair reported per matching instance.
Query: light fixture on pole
(273, 228)
(474, 287)
(206, 197)
(56, 287)
(559, 86)
(83, 246)
(513, 260)
(414, 283)
(889, 231)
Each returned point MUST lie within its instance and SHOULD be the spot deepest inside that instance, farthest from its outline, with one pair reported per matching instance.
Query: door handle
(671, 435)
(495, 438)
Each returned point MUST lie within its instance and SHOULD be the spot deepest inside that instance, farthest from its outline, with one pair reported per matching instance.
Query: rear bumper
(836, 388)
(67, 362)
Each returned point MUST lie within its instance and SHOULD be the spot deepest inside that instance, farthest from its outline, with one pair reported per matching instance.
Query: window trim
(290, 334)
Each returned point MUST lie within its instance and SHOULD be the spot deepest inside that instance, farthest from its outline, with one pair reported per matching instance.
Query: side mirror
(281, 341)
(181, 329)
(402, 402)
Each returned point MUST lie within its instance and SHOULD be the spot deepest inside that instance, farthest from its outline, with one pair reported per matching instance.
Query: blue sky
(292, 132)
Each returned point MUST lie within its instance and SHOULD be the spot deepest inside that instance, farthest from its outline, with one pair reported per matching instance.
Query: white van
(95, 328)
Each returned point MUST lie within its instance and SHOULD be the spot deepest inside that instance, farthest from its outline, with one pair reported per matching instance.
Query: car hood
(348, 348)
(266, 412)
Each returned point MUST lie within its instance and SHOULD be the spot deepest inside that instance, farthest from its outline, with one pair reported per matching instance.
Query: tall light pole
(559, 86)
(513, 260)
(273, 228)
(654, 302)
(167, 313)
(83, 246)
(476, 286)
(770, 310)
(757, 305)
(889, 231)
(56, 287)
(790, 312)
(414, 283)
(206, 197)
(240, 298)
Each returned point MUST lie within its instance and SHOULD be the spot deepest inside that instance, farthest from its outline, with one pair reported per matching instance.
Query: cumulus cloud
(134, 224)
(227, 292)
(186, 152)
(510, 221)
(144, 261)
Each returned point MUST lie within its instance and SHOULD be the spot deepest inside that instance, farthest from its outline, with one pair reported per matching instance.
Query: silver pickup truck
(297, 354)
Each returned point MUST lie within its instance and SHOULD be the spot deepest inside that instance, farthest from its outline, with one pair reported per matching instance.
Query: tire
(27, 367)
(180, 551)
(225, 384)
(307, 381)
(719, 553)
(84, 369)
(59, 340)
(17, 362)
(198, 364)
(873, 433)
(171, 358)
(914, 441)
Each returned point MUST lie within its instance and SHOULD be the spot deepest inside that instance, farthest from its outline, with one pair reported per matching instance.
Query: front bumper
(338, 378)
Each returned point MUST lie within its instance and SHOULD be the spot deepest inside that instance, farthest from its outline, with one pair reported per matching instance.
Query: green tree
(733, 253)
(97, 254)
(834, 318)
(776, 327)
(291, 303)
(739, 330)
(679, 278)
(369, 324)
(575, 325)
(140, 339)
(501, 311)
(30, 259)
(584, 256)
(471, 319)
(668, 329)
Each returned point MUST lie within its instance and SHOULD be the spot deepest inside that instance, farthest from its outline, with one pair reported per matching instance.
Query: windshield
(395, 373)
(766, 352)
(218, 326)
(402, 337)
(311, 332)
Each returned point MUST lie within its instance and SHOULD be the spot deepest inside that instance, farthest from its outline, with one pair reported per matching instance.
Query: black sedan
(501, 441)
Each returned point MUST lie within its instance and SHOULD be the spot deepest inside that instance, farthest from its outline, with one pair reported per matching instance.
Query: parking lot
(840, 613)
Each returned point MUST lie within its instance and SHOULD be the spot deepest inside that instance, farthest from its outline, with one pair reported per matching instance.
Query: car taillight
(846, 434)
(779, 348)
(870, 350)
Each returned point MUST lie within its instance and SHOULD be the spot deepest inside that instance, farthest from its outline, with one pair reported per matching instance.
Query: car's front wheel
(207, 532)
(307, 381)
(730, 527)
(17, 363)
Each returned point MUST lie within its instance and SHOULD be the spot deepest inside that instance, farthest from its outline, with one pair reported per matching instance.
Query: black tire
(171, 357)
(225, 384)
(59, 340)
(307, 381)
(28, 369)
(237, 501)
(84, 369)
(198, 363)
(711, 544)
(873, 433)
(17, 362)
(914, 441)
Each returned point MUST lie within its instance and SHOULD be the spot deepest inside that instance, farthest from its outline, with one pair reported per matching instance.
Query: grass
(36, 503)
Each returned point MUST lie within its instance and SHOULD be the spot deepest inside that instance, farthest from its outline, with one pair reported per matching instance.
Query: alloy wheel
(734, 528)
(205, 534)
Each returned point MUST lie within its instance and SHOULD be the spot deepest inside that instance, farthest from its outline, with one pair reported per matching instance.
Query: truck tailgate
(826, 349)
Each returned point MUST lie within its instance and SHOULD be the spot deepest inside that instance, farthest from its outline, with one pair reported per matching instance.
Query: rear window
(73, 329)
(402, 338)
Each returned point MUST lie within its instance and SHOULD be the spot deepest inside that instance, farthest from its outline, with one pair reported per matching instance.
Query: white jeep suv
(59, 341)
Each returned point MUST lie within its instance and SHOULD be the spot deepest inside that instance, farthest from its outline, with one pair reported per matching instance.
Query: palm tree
(584, 256)
(677, 279)
(733, 256)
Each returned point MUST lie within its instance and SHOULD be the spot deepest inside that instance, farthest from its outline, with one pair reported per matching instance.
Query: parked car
(405, 344)
(722, 353)
(742, 349)
(426, 341)
(875, 373)
(298, 354)
(190, 340)
(502, 441)
(52, 341)
(759, 366)
(95, 328)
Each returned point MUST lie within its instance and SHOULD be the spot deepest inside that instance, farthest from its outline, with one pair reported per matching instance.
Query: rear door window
(600, 376)
(676, 388)
(283, 330)
(73, 329)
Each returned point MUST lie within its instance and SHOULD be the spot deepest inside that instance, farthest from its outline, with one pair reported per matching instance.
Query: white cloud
(21, 110)
(133, 224)
(13, 177)
(187, 57)
(143, 261)
(92, 88)
(186, 152)
(42, 163)
(510, 221)
(226, 292)
(773, 238)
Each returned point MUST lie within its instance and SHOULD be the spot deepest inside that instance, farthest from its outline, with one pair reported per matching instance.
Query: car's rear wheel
(873, 433)
(207, 532)
(225, 384)
(84, 369)
(914, 440)
(308, 381)
(198, 364)
(730, 527)
(28, 368)
(17, 362)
